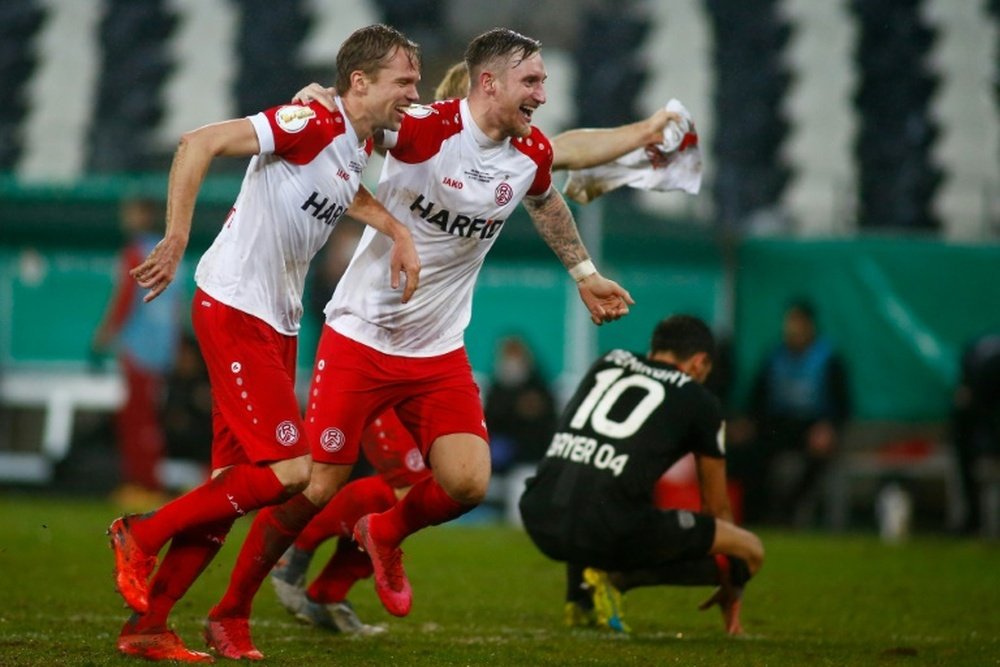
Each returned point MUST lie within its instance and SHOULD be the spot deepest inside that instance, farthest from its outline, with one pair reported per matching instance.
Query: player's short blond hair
(501, 46)
(369, 50)
(454, 84)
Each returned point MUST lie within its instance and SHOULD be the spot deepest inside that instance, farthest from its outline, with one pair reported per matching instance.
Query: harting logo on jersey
(455, 224)
(319, 209)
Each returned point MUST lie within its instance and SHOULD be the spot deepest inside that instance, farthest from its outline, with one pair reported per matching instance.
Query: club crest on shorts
(287, 433)
(414, 460)
(332, 440)
(503, 194)
(292, 117)
(685, 519)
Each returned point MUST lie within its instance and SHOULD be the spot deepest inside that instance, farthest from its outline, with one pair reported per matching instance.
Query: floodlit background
(851, 158)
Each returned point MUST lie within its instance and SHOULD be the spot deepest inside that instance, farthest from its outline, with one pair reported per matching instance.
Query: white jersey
(294, 192)
(454, 188)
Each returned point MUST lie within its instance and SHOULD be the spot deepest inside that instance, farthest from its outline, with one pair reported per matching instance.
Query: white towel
(674, 164)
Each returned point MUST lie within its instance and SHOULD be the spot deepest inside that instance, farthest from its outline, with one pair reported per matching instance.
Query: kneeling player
(591, 502)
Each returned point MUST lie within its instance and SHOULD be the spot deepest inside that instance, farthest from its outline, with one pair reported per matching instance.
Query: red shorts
(393, 452)
(255, 414)
(353, 383)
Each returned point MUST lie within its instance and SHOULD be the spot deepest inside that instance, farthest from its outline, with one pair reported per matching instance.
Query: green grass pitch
(484, 596)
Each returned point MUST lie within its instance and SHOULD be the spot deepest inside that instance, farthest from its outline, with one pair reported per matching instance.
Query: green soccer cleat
(607, 600)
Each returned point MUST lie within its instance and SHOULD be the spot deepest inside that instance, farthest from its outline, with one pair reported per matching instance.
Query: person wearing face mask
(520, 408)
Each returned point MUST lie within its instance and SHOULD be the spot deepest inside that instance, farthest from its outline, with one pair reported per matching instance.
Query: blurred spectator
(798, 406)
(187, 415)
(520, 408)
(521, 417)
(144, 337)
(976, 420)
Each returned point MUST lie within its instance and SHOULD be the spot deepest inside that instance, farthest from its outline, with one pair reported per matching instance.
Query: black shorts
(662, 536)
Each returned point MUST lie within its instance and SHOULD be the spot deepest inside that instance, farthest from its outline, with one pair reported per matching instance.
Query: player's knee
(321, 489)
(469, 490)
(293, 473)
(755, 554)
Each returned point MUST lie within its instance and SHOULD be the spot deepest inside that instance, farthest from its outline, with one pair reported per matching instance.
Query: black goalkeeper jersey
(629, 421)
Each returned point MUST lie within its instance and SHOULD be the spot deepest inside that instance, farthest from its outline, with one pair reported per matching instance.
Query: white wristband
(582, 270)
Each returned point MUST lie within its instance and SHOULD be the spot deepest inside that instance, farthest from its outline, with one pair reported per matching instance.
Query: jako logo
(453, 183)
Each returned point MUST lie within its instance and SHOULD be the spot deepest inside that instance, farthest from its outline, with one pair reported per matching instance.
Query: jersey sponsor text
(585, 450)
(456, 224)
(328, 215)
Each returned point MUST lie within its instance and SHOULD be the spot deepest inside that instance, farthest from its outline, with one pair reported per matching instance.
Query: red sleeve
(537, 147)
(424, 130)
(301, 132)
(121, 300)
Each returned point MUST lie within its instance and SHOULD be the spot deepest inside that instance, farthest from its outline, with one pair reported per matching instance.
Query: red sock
(347, 565)
(427, 504)
(232, 494)
(360, 497)
(272, 532)
(189, 554)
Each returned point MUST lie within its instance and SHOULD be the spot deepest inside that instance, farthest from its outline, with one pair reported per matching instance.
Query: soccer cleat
(391, 583)
(133, 566)
(230, 638)
(289, 578)
(336, 616)
(607, 600)
(161, 644)
(575, 616)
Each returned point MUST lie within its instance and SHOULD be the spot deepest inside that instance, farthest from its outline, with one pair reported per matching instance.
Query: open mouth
(526, 113)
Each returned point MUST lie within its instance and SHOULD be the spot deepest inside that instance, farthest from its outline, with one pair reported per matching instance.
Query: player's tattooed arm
(554, 222)
(605, 299)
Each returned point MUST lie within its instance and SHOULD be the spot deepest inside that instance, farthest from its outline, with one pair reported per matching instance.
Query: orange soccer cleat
(160, 644)
(230, 638)
(391, 584)
(133, 566)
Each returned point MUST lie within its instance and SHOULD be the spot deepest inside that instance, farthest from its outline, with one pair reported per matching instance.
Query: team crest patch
(332, 440)
(685, 519)
(504, 193)
(287, 433)
(414, 460)
(419, 110)
(293, 118)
